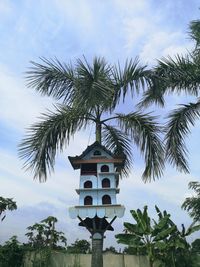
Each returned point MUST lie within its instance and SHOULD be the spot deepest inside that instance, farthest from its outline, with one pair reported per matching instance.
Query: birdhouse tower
(98, 187)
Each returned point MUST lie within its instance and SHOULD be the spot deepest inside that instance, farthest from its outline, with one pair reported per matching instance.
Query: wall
(59, 259)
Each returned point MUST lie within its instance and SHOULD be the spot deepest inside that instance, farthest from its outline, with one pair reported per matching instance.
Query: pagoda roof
(78, 160)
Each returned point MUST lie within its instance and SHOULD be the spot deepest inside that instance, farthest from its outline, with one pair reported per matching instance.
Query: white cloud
(20, 106)
(131, 7)
(5, 7)
(79, 14)
(162, 44)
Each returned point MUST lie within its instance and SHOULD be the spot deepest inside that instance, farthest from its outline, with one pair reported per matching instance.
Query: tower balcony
(78, 191)
(101, 211)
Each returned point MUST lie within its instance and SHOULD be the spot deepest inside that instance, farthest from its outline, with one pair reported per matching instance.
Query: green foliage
(12, 253)
(41, 257)
(160, 240)
(135, 251)
(79, 247)
(6, 204)
(178, 74)
(111, 249)
(43, 235)
(90, 94)
(192, 204)
(42, 240)
(196, 246)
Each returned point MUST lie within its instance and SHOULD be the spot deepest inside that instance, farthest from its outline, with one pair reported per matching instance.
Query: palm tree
(181, 74)
(90, 93)
(192, 204)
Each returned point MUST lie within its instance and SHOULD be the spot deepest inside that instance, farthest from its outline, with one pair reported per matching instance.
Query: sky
(67, 30)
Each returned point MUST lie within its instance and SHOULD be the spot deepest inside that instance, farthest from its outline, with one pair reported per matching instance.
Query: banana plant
(161, 239)
(147, 233)
(177, 249)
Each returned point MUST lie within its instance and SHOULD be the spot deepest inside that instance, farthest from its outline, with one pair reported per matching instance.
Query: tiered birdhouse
(98, 183)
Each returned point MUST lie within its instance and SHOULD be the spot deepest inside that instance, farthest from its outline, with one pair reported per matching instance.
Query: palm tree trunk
(98, 132)
(97, 248)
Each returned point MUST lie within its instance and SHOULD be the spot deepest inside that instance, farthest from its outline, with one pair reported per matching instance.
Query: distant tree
(6, 204)
(135, 251)
(11, 253)
(79, 247)
(111, 249)
(192, 204)
(43, 234)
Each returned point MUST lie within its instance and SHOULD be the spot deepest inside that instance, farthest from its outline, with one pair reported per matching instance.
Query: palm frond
(192, 204)
(133, 76)
(195, 186)
(177, 128)
(119, 143)
(195, 30)
(52, 78)
(195, 33)
(94, 87)
(144, 131)
(179, 74)
(154, 94)
(50, 135)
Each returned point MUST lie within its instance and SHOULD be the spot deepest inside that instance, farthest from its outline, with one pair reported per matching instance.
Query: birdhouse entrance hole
(104, 168)
(88, 200)
(106, 200)
(105, 183)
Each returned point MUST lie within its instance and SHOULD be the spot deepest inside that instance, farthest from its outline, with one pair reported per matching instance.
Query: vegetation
(90, 94)
(192, 204)
(181, 74)
(6, 204)
(111, 249)
(196, 246)
(43, 234)
(160, 240)
(43, 238)
(79, 247)
(12, 253)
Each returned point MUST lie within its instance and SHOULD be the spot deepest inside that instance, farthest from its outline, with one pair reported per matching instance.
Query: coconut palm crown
(90, 93)
(179, 74)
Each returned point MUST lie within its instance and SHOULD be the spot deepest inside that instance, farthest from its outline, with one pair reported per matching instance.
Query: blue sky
(68, 30)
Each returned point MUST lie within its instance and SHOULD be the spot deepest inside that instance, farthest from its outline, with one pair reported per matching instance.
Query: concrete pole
(97, 249)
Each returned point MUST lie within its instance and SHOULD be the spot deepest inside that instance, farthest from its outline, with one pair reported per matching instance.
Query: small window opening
(88, 200)
(97, 153)
(88, 184)
(104, 168)
(106, 200)
(105, 183)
